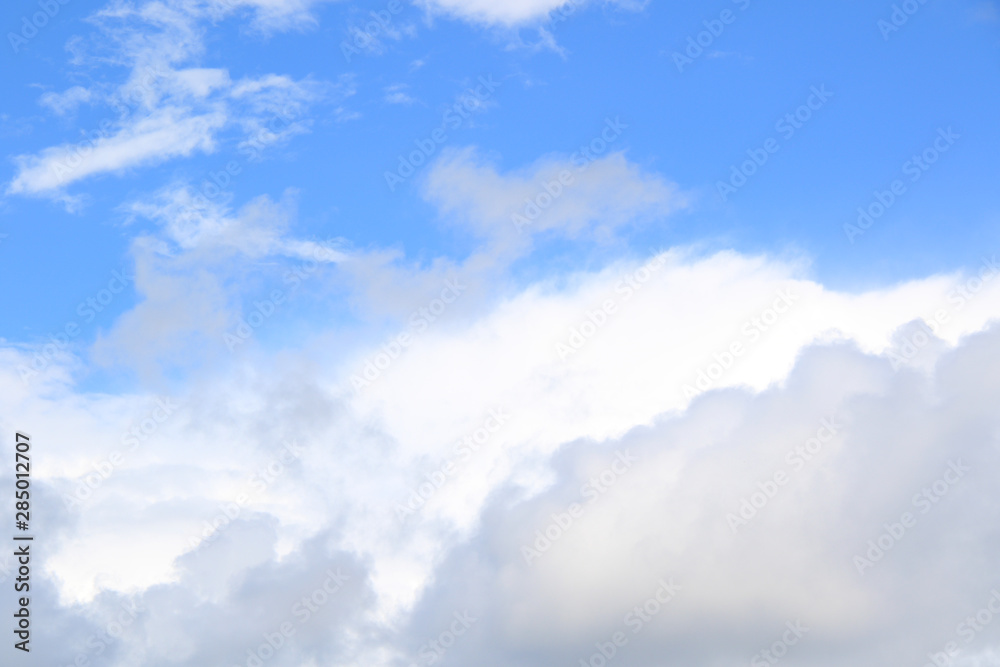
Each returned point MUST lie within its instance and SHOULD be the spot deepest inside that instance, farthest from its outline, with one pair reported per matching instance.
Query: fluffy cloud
(854, 446)
(507, 434)
(447, 464)
(589, 191)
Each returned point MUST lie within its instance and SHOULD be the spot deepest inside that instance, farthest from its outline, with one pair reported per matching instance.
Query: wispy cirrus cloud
(195, 271)
(67, 101)
(169, 106)
(511, 14)
(161, 135)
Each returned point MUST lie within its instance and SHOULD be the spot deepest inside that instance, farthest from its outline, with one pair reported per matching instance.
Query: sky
(540, 332)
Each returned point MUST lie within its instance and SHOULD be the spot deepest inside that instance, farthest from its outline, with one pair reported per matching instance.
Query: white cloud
(396, 94)
(186, 277)
(164, 110)
(507, 13)
(368, 36)
(193, 222)
(364, 453)
(708, 369)
(567, 196)
(512, 13)
(167, 133)
(197, 82)
(272, 15)
(666, 518)
(67, 101)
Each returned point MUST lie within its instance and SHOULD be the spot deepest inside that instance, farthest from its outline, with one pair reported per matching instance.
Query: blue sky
(560, 80)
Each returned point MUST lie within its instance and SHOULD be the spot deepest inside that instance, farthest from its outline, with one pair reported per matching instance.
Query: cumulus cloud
(854, 446)
(296, 468)
(674, 457)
